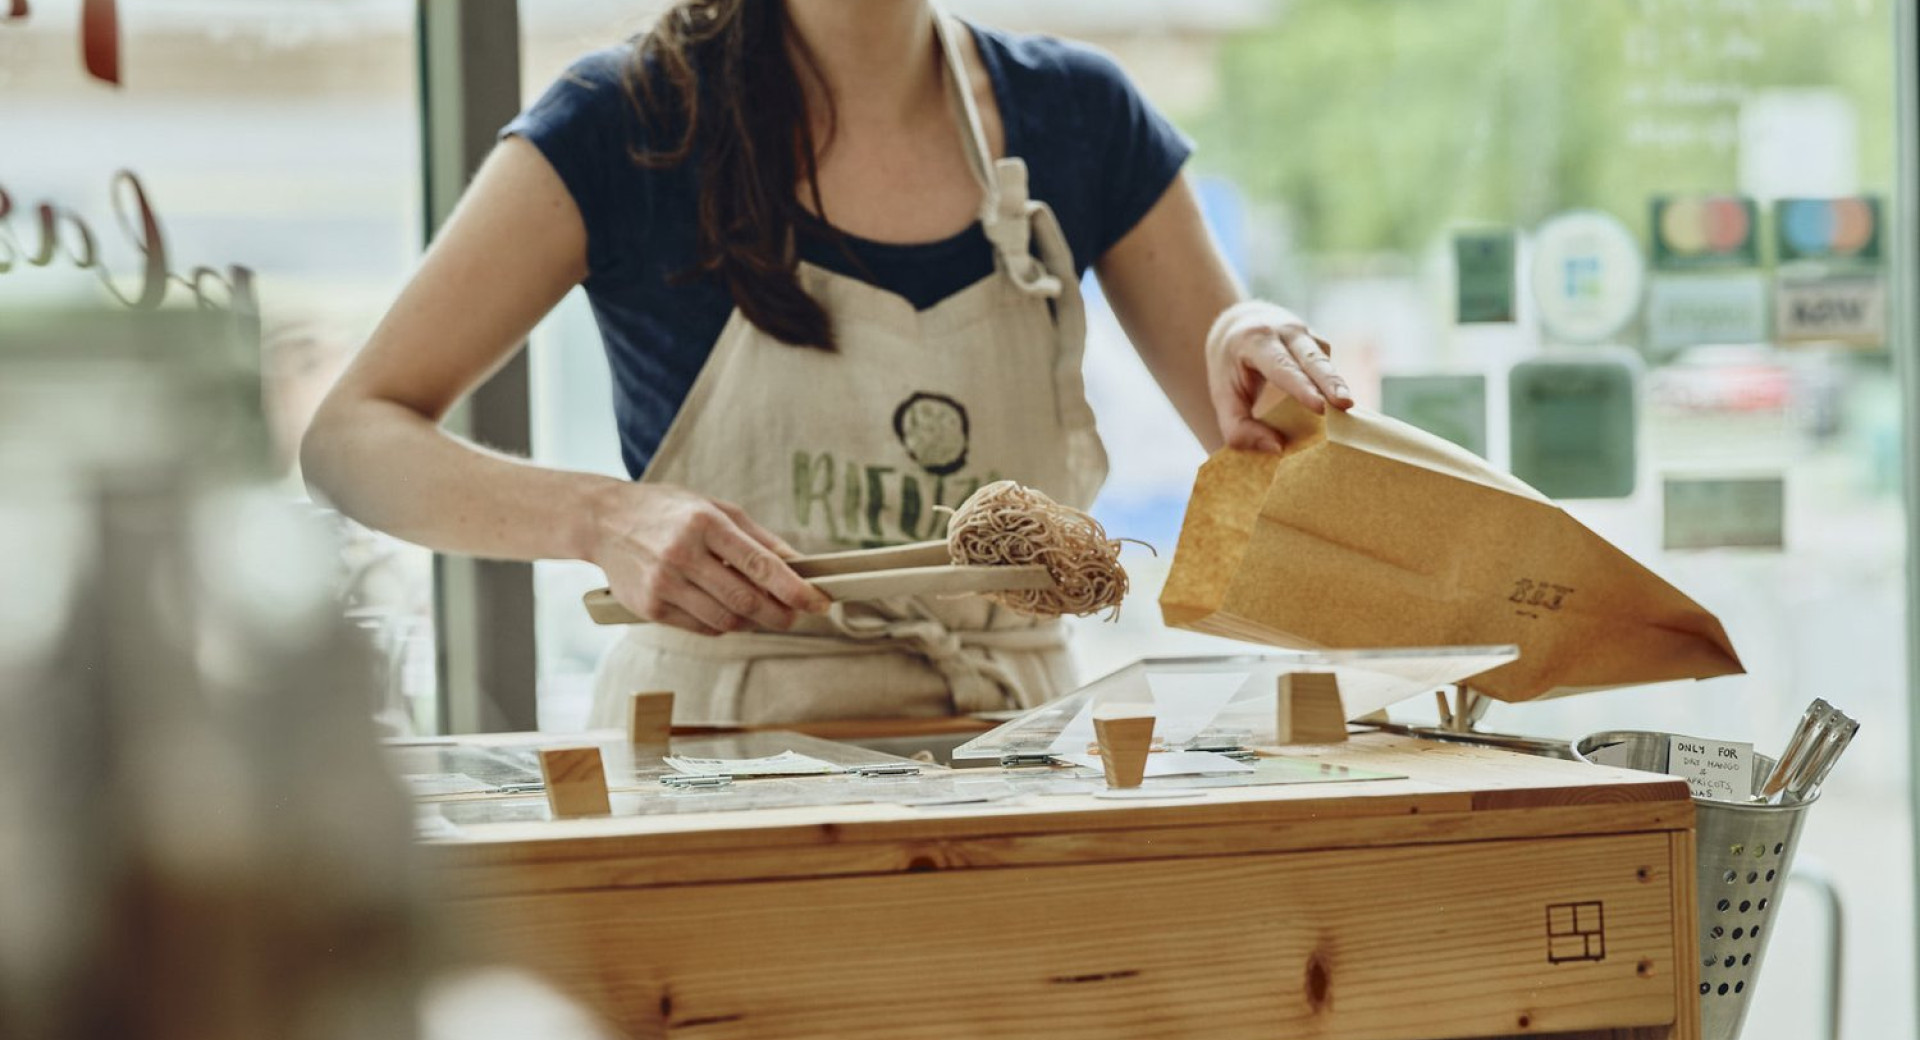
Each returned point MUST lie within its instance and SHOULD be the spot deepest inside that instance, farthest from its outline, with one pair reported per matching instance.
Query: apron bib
(856, 448)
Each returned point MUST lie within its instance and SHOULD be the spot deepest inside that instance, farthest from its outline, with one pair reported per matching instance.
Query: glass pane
(573, 423)
(1631, 249)
(1229, 702)
(263, 156)
(1628, 248)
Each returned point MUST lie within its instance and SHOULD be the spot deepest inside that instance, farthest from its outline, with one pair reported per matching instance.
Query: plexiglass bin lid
(1229, 700)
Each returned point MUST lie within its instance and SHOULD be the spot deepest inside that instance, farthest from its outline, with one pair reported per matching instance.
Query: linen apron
(856, 448)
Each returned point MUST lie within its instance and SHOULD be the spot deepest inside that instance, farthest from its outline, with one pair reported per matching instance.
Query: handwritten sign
(1717, 769)
(46, 234)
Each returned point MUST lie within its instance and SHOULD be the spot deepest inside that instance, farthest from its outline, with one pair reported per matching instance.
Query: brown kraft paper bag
(1368, 532)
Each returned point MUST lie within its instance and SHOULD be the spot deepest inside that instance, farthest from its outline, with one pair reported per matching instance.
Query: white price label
(1717, 769)
(422, 785)
(786, 763)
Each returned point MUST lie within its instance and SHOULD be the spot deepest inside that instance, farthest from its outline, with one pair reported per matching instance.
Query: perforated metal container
(1744, 852)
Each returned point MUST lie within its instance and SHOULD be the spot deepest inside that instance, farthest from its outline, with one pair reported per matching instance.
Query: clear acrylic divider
(1229, 700)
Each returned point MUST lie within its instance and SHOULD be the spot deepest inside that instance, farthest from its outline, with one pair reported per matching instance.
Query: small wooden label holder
(650, 720)
(1309, 710)
(576, 782)
(1125, 738)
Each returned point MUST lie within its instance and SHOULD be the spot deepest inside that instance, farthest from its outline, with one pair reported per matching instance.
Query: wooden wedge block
(1124, 740)
(1470, 707)
(650, 719)
(576, 782)
(1310, 710)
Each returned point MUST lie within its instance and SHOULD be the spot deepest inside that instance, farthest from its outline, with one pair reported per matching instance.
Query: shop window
(260, 156)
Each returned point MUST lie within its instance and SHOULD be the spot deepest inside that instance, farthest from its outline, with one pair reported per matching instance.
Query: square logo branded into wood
(1576, 932)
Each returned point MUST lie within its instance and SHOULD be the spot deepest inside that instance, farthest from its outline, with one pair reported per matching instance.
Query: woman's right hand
(682, 559)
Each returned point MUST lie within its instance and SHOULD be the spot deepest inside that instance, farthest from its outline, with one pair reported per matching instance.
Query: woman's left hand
(1255, 343)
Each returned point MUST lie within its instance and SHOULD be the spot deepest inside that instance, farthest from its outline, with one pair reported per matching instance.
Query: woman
(833, 247)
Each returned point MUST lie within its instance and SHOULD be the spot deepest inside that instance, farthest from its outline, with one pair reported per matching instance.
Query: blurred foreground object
(1370, 533)
(1744, 855)
(198, 836)
(485, 1003)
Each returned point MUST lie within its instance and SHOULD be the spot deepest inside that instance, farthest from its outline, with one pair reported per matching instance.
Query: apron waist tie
(976, 681)
(1007, 219)
(963, 657)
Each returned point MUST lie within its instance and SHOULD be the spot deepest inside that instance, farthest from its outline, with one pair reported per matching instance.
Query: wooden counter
(1488, 894)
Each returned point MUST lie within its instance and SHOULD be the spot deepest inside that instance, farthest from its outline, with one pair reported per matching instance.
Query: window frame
(1905, 339)
(483, 610)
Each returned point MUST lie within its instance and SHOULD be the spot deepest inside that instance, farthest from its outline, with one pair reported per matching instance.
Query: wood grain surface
(576, 781)
(1383, 944)
(1309, 709)
(1453, 792)
(1124, 741)
(650, 719)
(1425, 907)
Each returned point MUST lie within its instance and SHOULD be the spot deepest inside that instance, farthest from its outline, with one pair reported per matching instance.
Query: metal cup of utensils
(1744, 852)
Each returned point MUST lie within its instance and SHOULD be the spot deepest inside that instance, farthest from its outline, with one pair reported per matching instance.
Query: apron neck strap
(1006, 212)
(973, 135)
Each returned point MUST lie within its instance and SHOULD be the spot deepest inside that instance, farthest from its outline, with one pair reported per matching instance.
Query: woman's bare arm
(510, 252)
(512, 249)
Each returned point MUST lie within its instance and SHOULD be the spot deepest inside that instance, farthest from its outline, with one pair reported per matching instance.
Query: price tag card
(786, 763)
(1717, 769)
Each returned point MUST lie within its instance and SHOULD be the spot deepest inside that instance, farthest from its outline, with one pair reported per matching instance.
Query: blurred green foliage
(1375, 124)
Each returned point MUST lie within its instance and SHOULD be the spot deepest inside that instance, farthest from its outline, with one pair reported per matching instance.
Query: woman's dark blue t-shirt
(1096, 151)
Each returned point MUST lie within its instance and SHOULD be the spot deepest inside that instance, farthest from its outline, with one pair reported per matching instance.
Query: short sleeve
(585, 126)
(1140, 151)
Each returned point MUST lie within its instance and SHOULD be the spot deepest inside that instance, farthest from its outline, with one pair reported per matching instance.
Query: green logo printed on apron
(934, 430)
(813, 482)
(887, 504)
(877, 503)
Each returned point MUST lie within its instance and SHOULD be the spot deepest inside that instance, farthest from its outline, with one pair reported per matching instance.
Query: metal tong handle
(1823, 734)
(1797, 745)
(1819, 761)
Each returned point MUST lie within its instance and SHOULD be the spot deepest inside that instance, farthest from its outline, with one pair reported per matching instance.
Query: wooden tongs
(920, 569)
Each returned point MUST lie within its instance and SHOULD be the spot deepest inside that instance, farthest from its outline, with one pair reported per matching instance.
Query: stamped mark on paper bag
(1716, 769)
(1534, 595)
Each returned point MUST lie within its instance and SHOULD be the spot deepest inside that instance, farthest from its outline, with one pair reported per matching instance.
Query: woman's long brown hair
(719, 71)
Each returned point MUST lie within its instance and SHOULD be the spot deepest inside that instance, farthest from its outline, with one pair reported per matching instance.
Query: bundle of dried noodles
(1004, 523)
